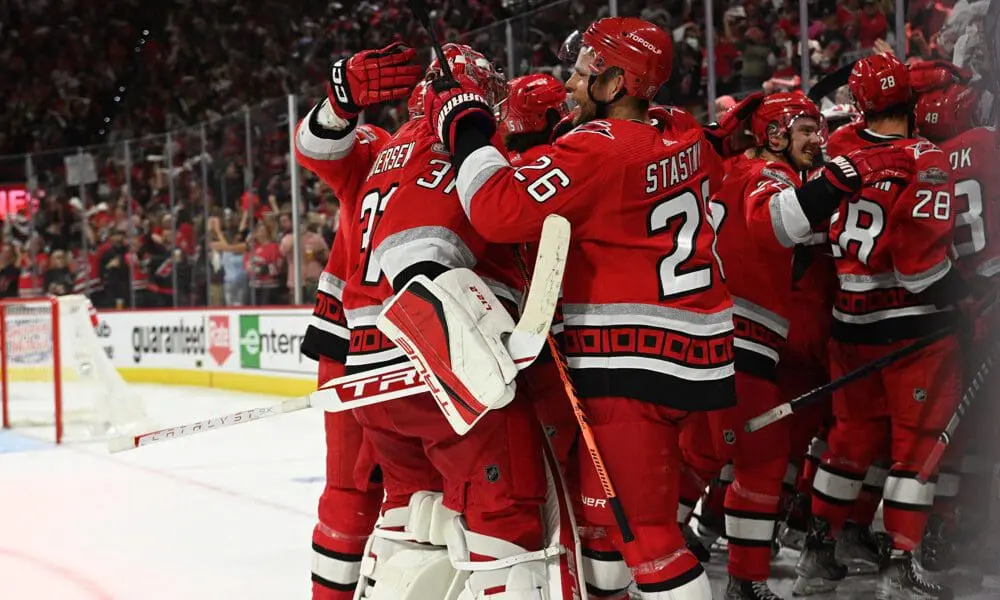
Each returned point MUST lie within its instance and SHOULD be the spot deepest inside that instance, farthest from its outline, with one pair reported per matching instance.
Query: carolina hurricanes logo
(923, 147)
(598, 127)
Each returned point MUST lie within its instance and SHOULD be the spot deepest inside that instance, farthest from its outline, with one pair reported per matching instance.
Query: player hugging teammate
(693, 274)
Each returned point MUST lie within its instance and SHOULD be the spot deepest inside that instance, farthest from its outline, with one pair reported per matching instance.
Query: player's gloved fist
(866, 166)
(731, 122)
(370, 77)
(452, 106)
(928, 75)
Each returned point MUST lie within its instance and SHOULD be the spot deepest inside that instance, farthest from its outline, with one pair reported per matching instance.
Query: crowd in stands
(208, 220)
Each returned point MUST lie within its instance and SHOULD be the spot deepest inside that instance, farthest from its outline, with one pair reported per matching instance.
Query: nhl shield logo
(919, 394)
(729, 436)
(492, 473)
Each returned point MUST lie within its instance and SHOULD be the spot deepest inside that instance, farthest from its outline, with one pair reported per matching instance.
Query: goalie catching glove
(454, 329)
(371, 77)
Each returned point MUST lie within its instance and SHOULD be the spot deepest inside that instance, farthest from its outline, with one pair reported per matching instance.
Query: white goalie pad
(552, 573)
(453, 329)
(405, 557)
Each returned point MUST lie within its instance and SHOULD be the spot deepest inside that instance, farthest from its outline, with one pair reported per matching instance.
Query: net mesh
(95, 401)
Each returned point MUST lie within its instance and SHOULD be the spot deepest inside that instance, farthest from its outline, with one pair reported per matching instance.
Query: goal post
(55, 373)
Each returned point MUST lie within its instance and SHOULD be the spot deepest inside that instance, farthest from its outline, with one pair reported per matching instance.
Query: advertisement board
(252, 349)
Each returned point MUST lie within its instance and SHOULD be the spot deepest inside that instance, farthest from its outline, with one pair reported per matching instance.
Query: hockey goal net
(55, 373)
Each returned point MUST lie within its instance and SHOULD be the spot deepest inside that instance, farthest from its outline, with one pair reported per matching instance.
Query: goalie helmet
(415, 104)
(778, 112)
(880, 82)
(942, 114)
(529, 100)
(640, 49)
(463, 60)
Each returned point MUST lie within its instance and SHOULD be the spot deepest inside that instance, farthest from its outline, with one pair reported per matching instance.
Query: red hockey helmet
(880, 82)
(529, 100)
(778, 112)
(639, 48)
(463, 60)
(415, 103)
(944, 113)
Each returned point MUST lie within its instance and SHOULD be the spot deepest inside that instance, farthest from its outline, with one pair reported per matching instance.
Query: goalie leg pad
(453, 329)
(405, 558)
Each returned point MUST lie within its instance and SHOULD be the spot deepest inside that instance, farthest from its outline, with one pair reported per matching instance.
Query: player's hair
(521, 142)
(899, 111)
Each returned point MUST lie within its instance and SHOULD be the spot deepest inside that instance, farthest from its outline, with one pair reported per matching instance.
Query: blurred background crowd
(144, 156)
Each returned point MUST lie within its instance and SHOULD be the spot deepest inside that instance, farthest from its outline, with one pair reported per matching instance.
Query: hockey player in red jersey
(897, 284)
(945, 116)
(347, 511)
(648, 320)
(462, 514)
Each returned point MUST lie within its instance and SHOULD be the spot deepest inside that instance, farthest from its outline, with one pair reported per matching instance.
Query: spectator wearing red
(872, 24)
(847, 17)
(10, 275)
(264, 263)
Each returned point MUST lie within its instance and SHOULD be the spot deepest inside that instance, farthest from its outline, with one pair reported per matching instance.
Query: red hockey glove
(370, 77)
(731, 122)
(928, 75)
(861, 168)
(452, 106)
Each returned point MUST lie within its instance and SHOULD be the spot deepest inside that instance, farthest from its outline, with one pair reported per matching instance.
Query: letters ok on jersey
(647, 314)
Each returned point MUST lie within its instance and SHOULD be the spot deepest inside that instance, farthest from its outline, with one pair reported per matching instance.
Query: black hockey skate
(741, 589)
(818, 570)
(902, 581)
(936, 552)
(862, 551)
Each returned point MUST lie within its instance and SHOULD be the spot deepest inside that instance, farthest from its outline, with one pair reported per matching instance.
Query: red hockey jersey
(974, 157)
(848, 138)
(647, 315)
(756, 254)
(890, 243)
(342, 163)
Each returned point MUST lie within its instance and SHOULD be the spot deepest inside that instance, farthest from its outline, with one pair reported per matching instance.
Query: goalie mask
(463, 60)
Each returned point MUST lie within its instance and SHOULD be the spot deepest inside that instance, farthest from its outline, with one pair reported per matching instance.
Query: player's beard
(586, 112)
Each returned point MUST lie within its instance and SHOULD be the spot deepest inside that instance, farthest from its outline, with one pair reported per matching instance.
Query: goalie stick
(398, 381)
(524, 343)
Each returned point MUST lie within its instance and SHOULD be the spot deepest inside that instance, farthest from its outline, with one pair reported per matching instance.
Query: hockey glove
(928, 75)
(454, 107)
(565, 125)
(371, 77)
(731, 122)
(866, 166)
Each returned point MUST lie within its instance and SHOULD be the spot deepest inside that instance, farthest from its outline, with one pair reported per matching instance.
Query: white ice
(226, 514)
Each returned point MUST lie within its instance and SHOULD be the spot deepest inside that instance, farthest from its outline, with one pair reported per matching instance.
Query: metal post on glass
(168, 156)
(293, 167)
(804, 44)
(205, 216)
(249, 191)
(84, 221)
(710, 43)
(131, 231)
(32, 184)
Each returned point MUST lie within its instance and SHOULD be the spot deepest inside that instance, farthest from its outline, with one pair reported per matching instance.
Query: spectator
(58, 278)
(872, 24)
(758, 61)
(314, 253)
(234, 274)
(10, 275)
(114, 272)
(264, 263)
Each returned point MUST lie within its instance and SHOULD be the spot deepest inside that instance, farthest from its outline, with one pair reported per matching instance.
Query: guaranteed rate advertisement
(254, 342)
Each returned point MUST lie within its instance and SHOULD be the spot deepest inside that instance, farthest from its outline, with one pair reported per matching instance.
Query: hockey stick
(971, 393)
(130, 442)
(829, 84)
(581, 417)
(419, 10)
(793, 406)
(524, 343)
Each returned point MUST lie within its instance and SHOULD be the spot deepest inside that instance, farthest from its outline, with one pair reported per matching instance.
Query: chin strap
(602, 106)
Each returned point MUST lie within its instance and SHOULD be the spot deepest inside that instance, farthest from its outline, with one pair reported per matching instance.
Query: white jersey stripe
(319, 147)
(758, 314)
(882, 315)
(422, 244)
(756, 348)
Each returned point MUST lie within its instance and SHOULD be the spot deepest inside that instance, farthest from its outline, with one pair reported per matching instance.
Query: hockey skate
(694, 544)
(902, 581)
(936, 552)
(792, 533)
(861, 550)
(741, 589)
(818, 570)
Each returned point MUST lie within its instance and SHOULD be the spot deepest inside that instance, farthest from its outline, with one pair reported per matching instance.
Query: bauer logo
(218, 338)
(250, 341)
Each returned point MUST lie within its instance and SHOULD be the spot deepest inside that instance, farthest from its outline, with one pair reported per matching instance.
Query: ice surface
(226, 514)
